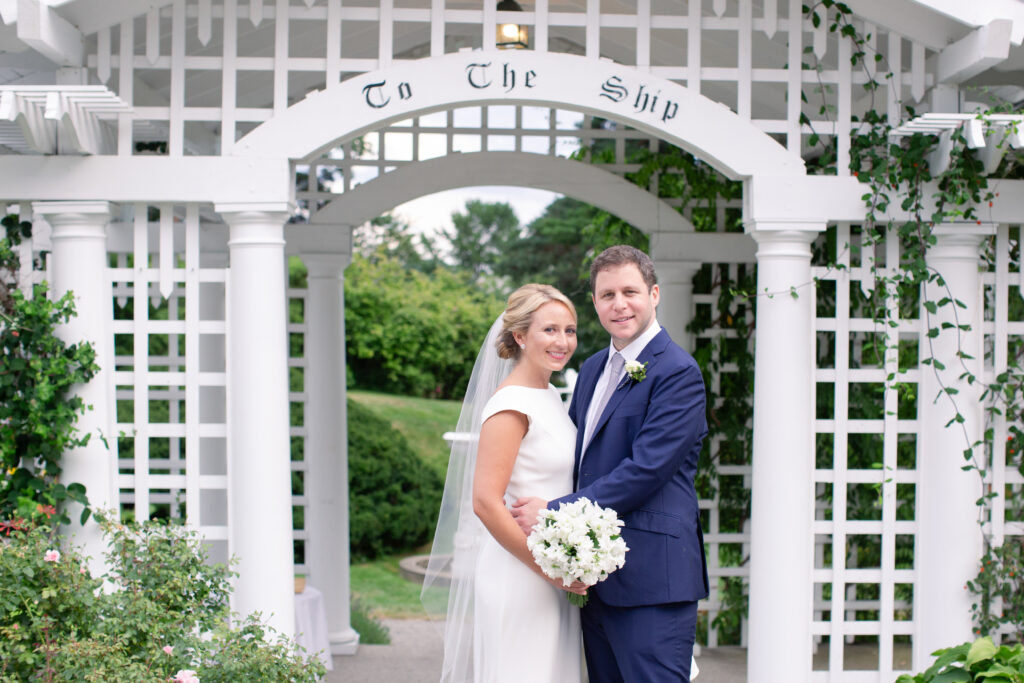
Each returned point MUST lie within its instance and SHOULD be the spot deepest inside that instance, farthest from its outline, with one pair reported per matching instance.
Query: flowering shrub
(38, 410)
(42, 601)
(162, 617)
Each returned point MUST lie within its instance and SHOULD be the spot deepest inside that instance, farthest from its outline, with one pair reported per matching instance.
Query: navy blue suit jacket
(641, 462)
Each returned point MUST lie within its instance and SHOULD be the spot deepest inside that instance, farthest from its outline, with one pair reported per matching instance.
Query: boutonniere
(636, 370)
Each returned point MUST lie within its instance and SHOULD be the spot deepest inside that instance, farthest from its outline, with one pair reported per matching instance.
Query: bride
(506, 620)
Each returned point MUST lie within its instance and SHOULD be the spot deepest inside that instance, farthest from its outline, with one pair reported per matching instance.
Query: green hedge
(393, 495)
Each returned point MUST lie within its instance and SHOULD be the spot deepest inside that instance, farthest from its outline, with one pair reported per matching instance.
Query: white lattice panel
(208, 72)
(1004, 332)
(863, 617)
(170, 386)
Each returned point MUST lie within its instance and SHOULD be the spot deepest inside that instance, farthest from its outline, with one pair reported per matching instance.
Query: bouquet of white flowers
(579, 541)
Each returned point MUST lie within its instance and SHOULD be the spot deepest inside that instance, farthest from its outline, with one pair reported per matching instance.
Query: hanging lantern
(511, 36)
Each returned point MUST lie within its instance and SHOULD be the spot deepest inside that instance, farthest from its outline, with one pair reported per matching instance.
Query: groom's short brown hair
(620, 255)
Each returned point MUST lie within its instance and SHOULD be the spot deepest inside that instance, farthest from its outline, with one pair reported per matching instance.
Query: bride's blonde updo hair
(519, 311)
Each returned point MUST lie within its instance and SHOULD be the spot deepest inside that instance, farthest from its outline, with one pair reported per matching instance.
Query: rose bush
(159, 614)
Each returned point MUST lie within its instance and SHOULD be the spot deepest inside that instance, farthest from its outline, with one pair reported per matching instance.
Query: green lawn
(378, 585)
(420, 420)
(384, 592)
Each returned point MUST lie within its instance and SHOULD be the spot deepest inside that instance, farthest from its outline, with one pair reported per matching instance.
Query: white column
(259, 471)
(79, 264)
(782, 496)
(327, 557)
(947, 516)
(675, 311)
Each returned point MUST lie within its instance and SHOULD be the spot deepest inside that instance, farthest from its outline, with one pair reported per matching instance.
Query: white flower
(186, 676)
(636, 370)
(579, 541)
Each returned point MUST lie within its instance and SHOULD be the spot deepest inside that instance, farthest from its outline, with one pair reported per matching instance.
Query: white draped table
(311, 625)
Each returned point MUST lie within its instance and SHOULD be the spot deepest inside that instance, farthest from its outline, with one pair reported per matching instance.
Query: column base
(344, 642)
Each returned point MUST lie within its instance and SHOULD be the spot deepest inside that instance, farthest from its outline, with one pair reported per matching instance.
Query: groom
(638, 439)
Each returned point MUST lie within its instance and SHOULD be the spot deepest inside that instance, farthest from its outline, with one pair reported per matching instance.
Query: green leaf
(981, 649)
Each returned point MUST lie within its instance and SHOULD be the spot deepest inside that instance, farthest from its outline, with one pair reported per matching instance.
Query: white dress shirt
(629, 352)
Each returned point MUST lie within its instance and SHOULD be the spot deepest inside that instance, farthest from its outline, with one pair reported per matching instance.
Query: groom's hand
(524, 511)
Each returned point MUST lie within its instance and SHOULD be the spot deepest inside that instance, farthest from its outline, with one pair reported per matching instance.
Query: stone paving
(414, 656)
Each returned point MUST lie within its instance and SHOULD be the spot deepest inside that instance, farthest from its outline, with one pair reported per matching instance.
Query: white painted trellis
(1000, 330)
(244, 94)
(844, 334)
(165, 277)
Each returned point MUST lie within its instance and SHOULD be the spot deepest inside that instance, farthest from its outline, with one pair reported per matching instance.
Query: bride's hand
(577, 587)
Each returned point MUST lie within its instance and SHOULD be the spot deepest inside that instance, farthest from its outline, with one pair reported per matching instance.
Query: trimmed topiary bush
(393, 495)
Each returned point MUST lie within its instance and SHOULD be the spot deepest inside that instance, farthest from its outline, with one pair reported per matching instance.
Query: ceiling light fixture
(511, 35)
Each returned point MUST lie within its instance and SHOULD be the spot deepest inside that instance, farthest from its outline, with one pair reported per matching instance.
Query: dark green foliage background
(393, 495)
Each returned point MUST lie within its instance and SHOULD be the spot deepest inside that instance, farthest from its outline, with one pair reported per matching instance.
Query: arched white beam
(603, 88)
(575, 179)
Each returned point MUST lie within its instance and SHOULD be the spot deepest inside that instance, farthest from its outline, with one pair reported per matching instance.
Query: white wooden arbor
(245, 93)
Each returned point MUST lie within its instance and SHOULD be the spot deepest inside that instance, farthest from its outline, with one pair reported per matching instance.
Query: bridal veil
(448, 585)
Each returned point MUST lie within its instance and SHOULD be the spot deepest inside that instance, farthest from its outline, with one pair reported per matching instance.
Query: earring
(522, 346)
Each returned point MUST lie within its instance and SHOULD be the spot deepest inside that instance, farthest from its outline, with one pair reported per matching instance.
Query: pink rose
(186, 676)
(52, 556)
(169, 649)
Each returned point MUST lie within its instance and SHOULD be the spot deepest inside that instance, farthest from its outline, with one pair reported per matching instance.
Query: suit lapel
(649, 355)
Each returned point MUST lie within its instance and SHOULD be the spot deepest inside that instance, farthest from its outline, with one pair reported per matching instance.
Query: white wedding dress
(525, 630)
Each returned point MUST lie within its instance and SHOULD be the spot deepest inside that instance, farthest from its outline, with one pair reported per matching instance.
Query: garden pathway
(414, 656)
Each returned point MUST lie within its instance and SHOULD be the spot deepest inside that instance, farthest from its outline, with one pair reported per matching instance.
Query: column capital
(811, 226)
(240, 208)
(784, 243)
(968, 234)
(75, 220)
(330, 265)
(254, 227)
(958, 241)
(101, 209)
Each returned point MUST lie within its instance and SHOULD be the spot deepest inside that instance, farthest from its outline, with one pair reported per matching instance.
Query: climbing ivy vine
(897, 173)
